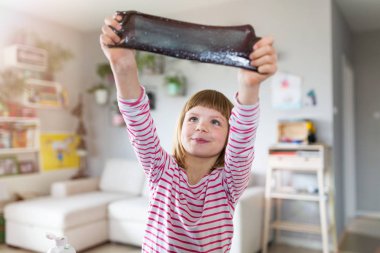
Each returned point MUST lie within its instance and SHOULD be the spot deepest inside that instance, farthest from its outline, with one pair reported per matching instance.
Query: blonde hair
(207, 98)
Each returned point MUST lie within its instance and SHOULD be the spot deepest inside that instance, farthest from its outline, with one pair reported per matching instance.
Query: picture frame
(44, 94)
(8, 165)
(27, 166)
(59, 151)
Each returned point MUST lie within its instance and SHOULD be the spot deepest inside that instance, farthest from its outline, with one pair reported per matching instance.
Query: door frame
(349, 152)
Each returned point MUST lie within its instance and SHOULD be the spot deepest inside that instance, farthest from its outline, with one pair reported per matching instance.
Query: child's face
(204, 132)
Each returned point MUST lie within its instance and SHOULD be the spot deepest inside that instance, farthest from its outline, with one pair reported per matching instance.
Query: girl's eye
(216, 122)
(193, 119)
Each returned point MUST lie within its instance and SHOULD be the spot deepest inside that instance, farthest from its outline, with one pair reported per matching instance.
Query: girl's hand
(122, 61)
(119, 58)
(264, 58)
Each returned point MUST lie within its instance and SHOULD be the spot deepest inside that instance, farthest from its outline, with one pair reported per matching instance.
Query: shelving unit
(298, 159)
(19, 141)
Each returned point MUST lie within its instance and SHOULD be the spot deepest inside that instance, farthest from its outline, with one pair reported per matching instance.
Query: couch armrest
(72, 187)
(248, 221)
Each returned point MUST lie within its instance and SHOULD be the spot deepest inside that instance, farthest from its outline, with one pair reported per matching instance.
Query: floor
(358, 243)
(352, 243)
(117, 248)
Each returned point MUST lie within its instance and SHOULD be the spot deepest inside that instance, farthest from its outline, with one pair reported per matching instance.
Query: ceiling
(361, 15)
(88, 15)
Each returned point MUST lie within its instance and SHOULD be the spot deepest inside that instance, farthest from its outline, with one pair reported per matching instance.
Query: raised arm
(244, 119)
(122, 61)
(265, 59)
(133, 103)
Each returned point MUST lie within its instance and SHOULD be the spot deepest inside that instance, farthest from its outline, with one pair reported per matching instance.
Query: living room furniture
(112, 208)
(299, 159)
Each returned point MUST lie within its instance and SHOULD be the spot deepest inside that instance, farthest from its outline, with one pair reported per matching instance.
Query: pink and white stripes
(183, 217)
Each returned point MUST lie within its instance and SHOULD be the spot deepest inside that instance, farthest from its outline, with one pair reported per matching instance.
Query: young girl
(193, 192)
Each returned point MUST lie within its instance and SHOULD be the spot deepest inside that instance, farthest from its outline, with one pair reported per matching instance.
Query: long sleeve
(240, 148)
(143, 136)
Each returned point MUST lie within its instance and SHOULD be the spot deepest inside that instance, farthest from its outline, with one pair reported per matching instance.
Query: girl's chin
(198, 154)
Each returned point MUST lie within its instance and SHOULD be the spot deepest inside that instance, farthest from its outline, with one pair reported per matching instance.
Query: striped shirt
(184, 217)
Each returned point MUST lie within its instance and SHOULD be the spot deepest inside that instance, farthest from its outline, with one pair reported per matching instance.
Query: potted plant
(12, 86)
(104, 71)
(175, 84)
(149, 63)
(57, 56)
(100, 90)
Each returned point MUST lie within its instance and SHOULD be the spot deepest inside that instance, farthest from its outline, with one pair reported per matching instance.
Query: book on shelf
(17, 135)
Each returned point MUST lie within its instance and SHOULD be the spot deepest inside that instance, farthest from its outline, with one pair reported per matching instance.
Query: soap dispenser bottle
(61, 245)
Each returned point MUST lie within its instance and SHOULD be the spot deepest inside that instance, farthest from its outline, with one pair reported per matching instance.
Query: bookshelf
(299, 159)
(19, 145)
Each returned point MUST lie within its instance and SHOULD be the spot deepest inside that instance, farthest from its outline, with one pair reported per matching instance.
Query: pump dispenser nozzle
(61, 244)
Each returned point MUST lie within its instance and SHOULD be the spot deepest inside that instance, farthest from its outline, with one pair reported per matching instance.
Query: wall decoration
(45, 94)
(176, 84)
(12, 86)
(41, 58)
(101, 89)
(152, 99)
(81, 132)
(117, 118)
(286, 91)
(59, 151)
(27, 167)
(311, 98)
(57, 56)
(149, 63)
(8, 165)
(26, 57)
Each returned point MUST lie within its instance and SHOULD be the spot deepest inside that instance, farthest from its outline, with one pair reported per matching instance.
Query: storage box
(26, 57)
(296, 131)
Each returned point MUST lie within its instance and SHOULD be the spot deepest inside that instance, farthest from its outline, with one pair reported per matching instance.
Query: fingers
(117, 17)
(108, 36)
(264, 41)
(265, 59)
(264, 56)
(267, 69)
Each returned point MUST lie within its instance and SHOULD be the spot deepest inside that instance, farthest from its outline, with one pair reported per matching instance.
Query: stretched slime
(225, 45)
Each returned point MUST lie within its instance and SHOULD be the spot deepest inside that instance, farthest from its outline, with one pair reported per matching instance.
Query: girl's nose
(201, 127)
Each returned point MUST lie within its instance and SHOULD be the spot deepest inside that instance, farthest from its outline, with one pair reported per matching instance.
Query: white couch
(112, 208)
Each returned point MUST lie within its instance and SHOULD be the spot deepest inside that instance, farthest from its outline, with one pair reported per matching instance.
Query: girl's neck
(197, 168)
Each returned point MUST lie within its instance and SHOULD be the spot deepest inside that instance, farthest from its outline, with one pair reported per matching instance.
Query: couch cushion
(120, 175)
(64, 212)
(132, 209)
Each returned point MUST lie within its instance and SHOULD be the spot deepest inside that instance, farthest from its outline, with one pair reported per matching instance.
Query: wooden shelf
(295, 169)
(297, 160)
(6, 151)
(296, 227)
(295, 196)
(295, 163)
(20, 120)
(20, 138)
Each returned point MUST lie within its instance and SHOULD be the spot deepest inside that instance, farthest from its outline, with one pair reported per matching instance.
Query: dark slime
(225, 45)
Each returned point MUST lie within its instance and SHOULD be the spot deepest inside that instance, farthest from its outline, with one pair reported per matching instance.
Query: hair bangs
(211, 99)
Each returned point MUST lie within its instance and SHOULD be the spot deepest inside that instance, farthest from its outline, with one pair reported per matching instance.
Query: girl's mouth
(200, 140)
